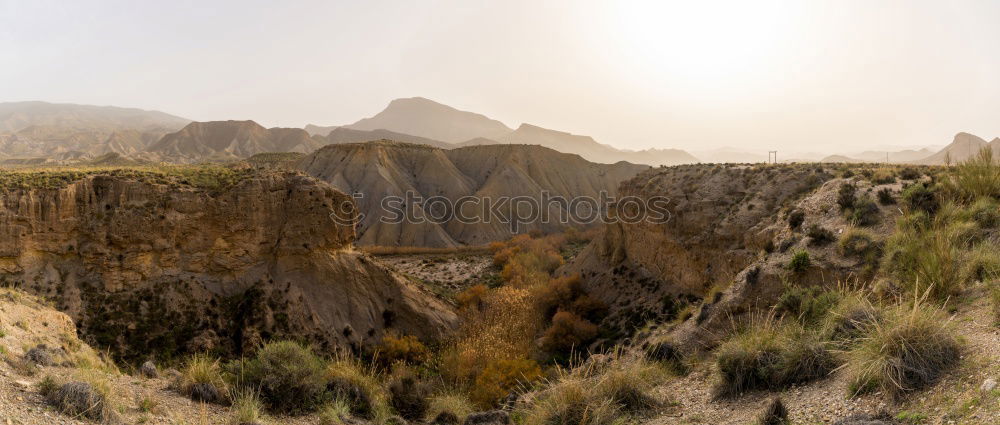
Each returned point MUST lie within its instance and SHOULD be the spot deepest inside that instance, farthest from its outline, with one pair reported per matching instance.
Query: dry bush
(359, 388)
(595, 395)
(472, 298)
(502, 377)
(401, 348)
(848, 319)
(807, 304)
(335, 413)
(247, 407)
(771, 356)
(502, 327)
(288, 376)
(865, 212)
(775, 414)
(504, 330)
(912, 348)
(201, 379)
(455, 404)
(568, 332)
(408, 394)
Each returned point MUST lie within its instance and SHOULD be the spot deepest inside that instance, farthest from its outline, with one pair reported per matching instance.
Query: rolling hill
(229, 140)
(376, 170)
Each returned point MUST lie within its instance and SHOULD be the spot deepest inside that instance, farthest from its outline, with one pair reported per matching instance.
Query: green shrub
(846, 196)
(408, 395)
(860, 244)
(986, 213)
(800, 262)
(865, 212)
(795, 219)
(883, 176)
(819, 236)
(247, 407)
(807, 304)
(885, 196)
(927, 252)
(920, 197)
(288, 376)
(769, 357)
(335, 413)
(774, 414)
(979, 176)
(848, 319)
(911, 349)
(909, 173)
(981, 263)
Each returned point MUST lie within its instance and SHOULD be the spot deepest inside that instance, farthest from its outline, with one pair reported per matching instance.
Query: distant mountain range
(68, 131)
(443, 125)
(43, 133)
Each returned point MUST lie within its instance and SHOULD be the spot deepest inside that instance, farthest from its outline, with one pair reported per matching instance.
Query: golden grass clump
(771, 355)
(453, 404)
(598, 394)
(201, 379)
(359, 388)
(912, 348)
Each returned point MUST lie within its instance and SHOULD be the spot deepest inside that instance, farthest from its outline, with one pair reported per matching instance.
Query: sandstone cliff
(155, 265)
(719, 223)
(726, 248)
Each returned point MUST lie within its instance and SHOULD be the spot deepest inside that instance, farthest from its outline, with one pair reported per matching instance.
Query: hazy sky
(797, 75)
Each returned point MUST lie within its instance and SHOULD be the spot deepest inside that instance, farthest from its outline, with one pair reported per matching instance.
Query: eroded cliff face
(721, 220)
(159, 269)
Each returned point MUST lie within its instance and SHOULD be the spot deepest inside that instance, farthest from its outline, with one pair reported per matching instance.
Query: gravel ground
(956, 399)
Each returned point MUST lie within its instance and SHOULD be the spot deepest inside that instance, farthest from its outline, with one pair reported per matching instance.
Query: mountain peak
(423, 117)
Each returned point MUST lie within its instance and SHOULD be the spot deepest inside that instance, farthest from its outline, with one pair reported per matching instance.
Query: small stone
(988, 385)
(148, 370)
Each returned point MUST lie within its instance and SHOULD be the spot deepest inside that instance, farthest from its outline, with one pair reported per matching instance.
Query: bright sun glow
(704, 44)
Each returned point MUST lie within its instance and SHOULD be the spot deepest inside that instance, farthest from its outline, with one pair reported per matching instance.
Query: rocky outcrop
(722, 218)
(147, 266)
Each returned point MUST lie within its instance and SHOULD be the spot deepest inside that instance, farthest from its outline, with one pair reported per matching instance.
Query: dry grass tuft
(594, 395)
(913, 347)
